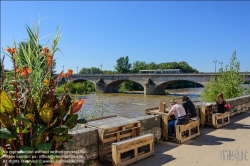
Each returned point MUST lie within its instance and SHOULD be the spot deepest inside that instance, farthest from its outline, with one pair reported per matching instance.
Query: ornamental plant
(33, 117)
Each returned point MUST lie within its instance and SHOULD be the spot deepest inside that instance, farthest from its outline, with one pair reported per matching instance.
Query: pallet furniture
(206, 112)
(131, 150)
(164, 120)
(114, 129)
(188, 131)
(220, 119)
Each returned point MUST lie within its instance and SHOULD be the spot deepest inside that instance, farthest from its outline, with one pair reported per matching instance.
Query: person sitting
(189, 107)
(220, 103)
(180, 117)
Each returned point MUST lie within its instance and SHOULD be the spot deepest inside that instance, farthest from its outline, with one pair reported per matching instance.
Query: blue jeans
(171, 127)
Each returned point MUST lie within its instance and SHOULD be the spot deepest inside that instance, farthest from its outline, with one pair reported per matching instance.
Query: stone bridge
(153, 84)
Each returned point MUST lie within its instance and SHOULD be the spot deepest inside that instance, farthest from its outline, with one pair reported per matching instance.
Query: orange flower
(11, 50)
(70, 72)
(18, 70)
(50, 58)
(45, 51)
(25, 71)
(63, 75)
(77, 106)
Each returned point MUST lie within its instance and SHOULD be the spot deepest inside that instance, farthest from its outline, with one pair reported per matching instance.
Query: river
(134, 105)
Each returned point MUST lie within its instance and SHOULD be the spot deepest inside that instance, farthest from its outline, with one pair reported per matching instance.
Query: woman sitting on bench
(180, 117)
(220, 103)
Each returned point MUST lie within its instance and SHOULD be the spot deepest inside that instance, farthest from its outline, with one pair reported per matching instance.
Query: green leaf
(62, 111)
(6, 103)
(1, 151)
(44, 146)
(59, 130)
(46, 114)
(23, 119)
(5, 134)
(5, 120)
(24, 130)
(71, 120)
(82, 121)
(38, 129)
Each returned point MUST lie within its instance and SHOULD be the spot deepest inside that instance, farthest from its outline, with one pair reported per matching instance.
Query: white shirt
(178, 111)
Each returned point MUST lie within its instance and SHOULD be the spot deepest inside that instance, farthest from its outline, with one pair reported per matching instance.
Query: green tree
(229, 82)
(92, 70)
(123, 65)
(138, 65)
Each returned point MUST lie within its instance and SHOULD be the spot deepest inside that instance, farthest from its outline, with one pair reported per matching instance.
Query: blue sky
(100, 32)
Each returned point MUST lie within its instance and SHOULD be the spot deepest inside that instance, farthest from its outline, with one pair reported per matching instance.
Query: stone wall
(239, 104)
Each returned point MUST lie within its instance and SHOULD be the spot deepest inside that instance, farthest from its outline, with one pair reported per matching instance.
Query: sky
(96, 34)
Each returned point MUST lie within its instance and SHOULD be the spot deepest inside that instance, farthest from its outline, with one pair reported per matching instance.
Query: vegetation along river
(134, 105)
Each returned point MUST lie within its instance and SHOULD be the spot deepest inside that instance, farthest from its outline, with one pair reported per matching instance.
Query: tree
(138, 65)
(123, 65)
(92, 70)
(229, 82)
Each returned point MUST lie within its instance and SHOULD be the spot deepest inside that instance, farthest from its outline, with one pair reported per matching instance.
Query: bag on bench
(182, 120)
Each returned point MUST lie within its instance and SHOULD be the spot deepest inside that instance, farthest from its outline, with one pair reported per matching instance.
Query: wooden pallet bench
(112, 130)
(188, 131)
(206, 115)
(220, 119)
(131, 150)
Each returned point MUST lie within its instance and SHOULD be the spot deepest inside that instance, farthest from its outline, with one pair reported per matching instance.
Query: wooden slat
(165, 127)
(188, 127)
(132, 144)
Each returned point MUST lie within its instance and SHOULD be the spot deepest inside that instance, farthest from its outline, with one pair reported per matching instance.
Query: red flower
(45, 51)
(77, 106)
(50, 58)
(12, 51)
(25, 71)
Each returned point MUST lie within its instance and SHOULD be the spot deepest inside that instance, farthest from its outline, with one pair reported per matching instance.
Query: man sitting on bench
(181, 117)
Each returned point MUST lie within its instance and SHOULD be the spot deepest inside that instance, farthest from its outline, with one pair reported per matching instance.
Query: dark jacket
(220, 107)
(189, 108)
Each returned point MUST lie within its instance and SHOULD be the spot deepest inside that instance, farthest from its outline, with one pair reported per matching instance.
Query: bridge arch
(114, 85)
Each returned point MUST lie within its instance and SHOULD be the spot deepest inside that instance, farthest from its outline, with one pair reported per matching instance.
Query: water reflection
(134, 105)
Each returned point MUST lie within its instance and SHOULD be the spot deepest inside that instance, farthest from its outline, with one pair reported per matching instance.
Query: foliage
(92, 70)
(229, 82)
(130, 86)
(138, 65)
(78, 88)
(32, 116)
(123, 65)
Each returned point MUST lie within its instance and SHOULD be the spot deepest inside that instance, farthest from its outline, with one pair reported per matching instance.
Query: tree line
(124, 66)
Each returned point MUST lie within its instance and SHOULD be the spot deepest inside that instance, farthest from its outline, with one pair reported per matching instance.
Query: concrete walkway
(212, 148)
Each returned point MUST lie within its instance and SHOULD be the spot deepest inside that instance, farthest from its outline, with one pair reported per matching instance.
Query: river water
(134, 105)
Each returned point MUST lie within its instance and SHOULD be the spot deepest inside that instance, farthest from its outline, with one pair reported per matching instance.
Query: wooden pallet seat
(131, 150)
(220, 119)
(188, 131)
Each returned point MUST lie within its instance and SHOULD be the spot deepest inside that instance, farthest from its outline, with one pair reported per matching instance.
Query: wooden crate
(188, 131)
(132, 150)
(206, 115)
(112, 130)
(220, 119)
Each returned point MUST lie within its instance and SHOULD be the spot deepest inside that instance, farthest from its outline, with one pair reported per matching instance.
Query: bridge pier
(151, 88)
